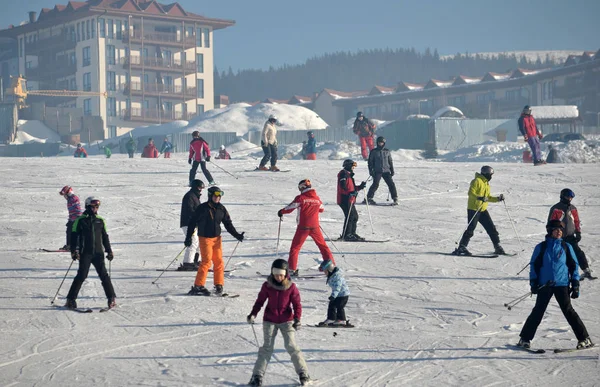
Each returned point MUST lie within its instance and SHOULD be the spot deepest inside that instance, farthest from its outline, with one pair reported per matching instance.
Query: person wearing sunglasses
(207, 220)
(89, 241)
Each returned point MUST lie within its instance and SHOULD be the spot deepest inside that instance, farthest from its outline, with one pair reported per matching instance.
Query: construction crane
(19, 92)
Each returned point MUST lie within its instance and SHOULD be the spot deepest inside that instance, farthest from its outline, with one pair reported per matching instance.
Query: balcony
(159, 90)
(161, 39)
(56, 43)
(515, 104)
(574, 90)
(50, 71)
(158, 64)
(154, 115)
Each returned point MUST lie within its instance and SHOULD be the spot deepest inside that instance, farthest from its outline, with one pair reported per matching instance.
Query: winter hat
(553, 225)
(326, 265)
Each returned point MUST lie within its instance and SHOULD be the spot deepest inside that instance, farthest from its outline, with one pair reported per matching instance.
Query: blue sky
(274, 32)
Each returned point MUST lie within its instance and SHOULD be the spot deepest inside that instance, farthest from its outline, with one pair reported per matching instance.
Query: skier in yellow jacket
(479, 196)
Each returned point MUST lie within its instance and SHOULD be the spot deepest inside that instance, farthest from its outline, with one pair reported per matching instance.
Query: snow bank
(554, 112)
(36, 131)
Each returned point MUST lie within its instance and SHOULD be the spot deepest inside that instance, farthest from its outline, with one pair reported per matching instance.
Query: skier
(568, 214)
(223, 154)
(87, 242)
(311, 146)
(191, 201)
(531, 134)
(553, 267)
(303, 150)
(309, 207)
(268, 143)
(74, 208)
(80, 152)
(166, 148)
(282, 295)
(208, 218)
(150, 151)
(339, 294)
(130, 147)
(198, 148)
(381, 165)
(346, 198)
(365, 130)
(107, 152)
(479, 195)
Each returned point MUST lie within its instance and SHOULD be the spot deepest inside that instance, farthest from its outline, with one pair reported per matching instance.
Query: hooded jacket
(380, 161)
(150, 151)
(346, 187)
(480, 186)
(89, 235)
(527, 125)
(198, 147)
(189, 203)
(364, 127)
(283, 301)
(309, 206)
(337, 283)
(554, 265)
(269, 134)
(566, 213)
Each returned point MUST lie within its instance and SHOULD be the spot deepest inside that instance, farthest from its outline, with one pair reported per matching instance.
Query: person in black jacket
(208, 218)
(381, 165)
(189, 203)
(89, 240)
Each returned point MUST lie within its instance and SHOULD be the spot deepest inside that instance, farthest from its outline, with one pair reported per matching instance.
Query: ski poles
(509, 305)
(231, 256)
(347, 217)
(169, 265)
(61, 284)
(331, 241)
(278, 233)
(369, 212)
(224, 170)
(255, 337)
(525, 267)
(514, 228)
(468, 224)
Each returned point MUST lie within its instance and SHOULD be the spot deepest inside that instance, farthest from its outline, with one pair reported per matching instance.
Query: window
(87, 29)
(112, 131)
(93, 28)
(101, 28)
(146, 78)
(199, 109)
(78, 32)
(28, 65)
(199, 37)
(73, 84)
(512, 95)
(111, 81)
(110, 54)
(457, 101)
(110, 29)
(87, 107)
(200, 88)
(206, 38)
(111, 107)
(87, 82)
(146, 104)
(145, 53)
(167, 55)
(426, 106)
(73, 34)
(119, 25)
(87, 56)
(189, 32)
(168, 81)
(200, 63)
(73, 58)
(484, 99)
(20, 47)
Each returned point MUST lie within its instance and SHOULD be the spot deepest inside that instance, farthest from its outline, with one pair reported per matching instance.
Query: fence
(180, 141)
(287, 137)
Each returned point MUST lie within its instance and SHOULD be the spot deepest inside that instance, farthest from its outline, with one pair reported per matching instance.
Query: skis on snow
(472, 255)
(306, 276)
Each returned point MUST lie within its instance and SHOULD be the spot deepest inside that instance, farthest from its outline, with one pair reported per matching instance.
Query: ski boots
(587, 343)
(274, 168)
(66, 248)
(462, 250)
(262, 168)
(199, 291)
(219, 290)
(339, 322)
(187, 266)
(71, 304)
(255, 380)
(587, 273)
(358, 237)
(326, 322)
(112, 303)
(395, 202)
(369, 201)
(499, 250)
(294, 273)
(524, 343)
(304, 378)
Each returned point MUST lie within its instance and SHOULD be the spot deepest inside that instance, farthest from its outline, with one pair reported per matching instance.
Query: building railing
(52, 70)
(154, 115)
(162, 90)
(159, 63)
(62, 41)
(165, 38)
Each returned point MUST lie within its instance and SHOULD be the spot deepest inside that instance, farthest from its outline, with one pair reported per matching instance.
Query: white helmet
(222, 147)
(92, 201)
(272, 117)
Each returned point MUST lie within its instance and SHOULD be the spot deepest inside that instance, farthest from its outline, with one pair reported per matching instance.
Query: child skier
(339, 294)
(311, 146)
(283, 296)
(166, 148)
(74, 209)
(309, 207)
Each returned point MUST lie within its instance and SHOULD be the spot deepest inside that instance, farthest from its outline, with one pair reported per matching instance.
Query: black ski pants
(270, 151)
(387, 177)
(336, 311)
(350, 217)
(202, 165)
(69, 227)
(130, 154)
(581, 258)
(561, 293)
(485, 219)
(84, 267)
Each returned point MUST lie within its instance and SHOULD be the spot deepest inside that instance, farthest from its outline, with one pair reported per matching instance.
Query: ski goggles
(95, 203)
(218, 193)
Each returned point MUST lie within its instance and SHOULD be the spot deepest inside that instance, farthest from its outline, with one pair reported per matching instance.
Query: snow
(422, 318)
(36, 131)
(558, 56)
(555, 112)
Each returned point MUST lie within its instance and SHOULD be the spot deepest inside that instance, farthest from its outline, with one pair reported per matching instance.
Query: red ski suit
(197, 147)
(309, 206)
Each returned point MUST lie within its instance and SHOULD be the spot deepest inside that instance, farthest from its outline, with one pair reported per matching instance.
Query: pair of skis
(540, 351)
(82, 310)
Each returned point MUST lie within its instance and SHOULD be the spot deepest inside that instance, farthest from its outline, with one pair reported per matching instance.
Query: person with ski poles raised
(553, 267)
(309, 206)
(479, 196)
(189, 203)
(347, 190)
(198, 148)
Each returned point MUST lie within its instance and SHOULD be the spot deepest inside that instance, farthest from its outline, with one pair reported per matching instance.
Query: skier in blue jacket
(339, 294)
(553, 267)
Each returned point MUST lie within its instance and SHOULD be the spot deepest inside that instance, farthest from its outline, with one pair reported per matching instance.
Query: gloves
(75, 255)
(574, 289)
(482, 198)
(355, 193)
(362, 186)
(208, 158)
(109, 256)
(371, 173)
(525, 137)
(240, 237)
(190, 161)
(392, 173)
(535, 286)
(187, 242)
(250, 319)
(331, 298)
(296, 325)
(540, 136)
(501, 197)
(577, 236)
(280, 213)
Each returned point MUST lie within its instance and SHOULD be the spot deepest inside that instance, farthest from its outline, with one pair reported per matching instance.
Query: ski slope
(423, 319)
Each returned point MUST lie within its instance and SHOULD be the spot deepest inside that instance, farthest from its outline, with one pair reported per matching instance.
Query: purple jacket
(282, 297)
(74, 207)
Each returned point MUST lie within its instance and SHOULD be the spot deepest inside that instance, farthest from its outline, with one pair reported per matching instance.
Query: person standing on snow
(381, 165)
(166, 148)
(130, 146)
(223, 154)
(150, 151)
(198, 148)
(208, 218)
(568, 214)
(282, 313)
(309, 206)
(107, 152)
(346, 198)
(479, 196)
(80, 152)
(365, 130)
(531, 134)
(268, 142)
(553, 267)
(74, 208)
(189, 203)
(336, 315)
(88, 243)
(311, 147)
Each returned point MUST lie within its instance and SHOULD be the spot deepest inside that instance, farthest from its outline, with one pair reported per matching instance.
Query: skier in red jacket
(309, 207)
(198, 148)
(346, 198)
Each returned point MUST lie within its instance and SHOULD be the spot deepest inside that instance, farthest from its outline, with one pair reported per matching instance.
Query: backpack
(537, 264)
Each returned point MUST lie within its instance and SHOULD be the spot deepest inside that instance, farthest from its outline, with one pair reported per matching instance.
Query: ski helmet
(66, 190)
(272, 118)
(304, 184)
(359, 114)
(566, 195)
(380, 139)
(198, 184)
(92, 201)
(487, 172)
(222, 147)
(348, 164)
(553, 225)
(310, 133)
(216, 191)
(195, 134)
(326, 265)
(278, 266)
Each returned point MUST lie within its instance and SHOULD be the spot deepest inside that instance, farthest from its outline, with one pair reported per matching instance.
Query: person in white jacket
(268, 142)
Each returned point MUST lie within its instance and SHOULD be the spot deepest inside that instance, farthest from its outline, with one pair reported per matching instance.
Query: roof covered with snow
(555, 112)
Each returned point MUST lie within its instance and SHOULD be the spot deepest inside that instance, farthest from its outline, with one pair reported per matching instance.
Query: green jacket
(107, 151)
(480, 186)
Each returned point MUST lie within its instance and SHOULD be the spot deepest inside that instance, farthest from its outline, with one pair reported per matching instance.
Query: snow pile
(578, 151)
(156, 130)
(554, 112)
(34, 131)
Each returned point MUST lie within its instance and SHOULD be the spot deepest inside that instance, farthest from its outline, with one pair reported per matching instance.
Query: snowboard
(224, 295)
(81, 310)
(568, 350)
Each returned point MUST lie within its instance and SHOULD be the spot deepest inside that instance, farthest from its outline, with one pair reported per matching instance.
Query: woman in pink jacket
(283, 312)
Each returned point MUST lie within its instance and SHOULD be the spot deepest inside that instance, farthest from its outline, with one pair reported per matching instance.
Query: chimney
(32, 15)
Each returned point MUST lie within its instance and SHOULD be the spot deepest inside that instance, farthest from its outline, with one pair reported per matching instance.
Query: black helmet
(566, 195)
(304, 184)
(195, 133)
(214, 190)
(359, 114)
(553, 225)
(310, 133)
(380, 139)
(348, 164)
(198, 184)
(487, 172)
(280, 264)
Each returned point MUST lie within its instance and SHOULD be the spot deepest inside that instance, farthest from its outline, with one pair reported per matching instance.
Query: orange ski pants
(211, 251)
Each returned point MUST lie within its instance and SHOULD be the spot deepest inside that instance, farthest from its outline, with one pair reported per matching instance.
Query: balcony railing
(511, 104)
(58, 42)
(52, 70)
(154, 115)
(162, 38)
(158, 64)
(159, 90)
